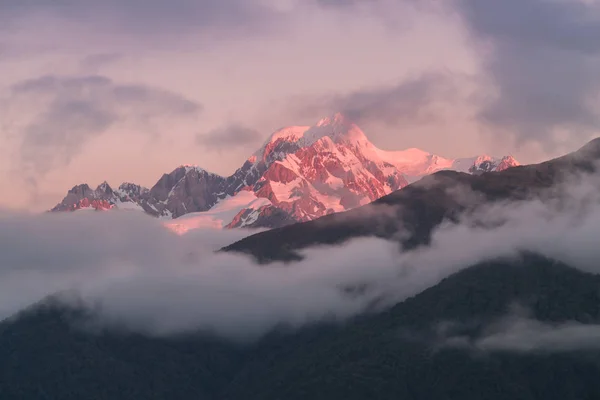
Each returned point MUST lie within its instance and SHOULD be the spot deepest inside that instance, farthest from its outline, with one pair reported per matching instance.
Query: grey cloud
(570, 25)
(519, 333)
(396, 15)
(148, 17)
(544, 63)
(522, 335)
(410, 101)
(93, 62)
(66, 112)
(542, 59)
(341, 3)
(229, 137)
(377, 6)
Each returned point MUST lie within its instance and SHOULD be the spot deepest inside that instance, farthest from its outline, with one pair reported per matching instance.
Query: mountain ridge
(300, 173)
(420, 207)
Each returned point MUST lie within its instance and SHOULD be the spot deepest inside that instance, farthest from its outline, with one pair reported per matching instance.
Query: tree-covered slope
(398, 353)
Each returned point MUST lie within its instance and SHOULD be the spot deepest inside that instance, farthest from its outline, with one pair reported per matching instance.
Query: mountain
(418, 208)
(426, 347)
(186, 189)
(299, 174)
(127, 196)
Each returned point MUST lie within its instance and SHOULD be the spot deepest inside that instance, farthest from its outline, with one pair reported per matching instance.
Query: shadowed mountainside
(411, 214)
(395, 354)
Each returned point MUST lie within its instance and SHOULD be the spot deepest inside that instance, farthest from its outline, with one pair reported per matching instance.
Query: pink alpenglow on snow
(299, 174)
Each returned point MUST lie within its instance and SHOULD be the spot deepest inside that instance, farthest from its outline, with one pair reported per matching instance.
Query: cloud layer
(142, 277)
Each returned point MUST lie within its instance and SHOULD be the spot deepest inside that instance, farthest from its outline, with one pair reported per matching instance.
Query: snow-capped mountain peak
(289, 139)
(279, 143)
(299, 173)
(339, 128)
(335, 119)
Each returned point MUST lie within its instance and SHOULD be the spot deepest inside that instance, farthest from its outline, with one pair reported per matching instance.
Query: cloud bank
(139, 276)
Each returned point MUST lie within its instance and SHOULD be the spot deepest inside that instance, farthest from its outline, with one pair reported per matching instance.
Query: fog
(139, 276)
(518, 332)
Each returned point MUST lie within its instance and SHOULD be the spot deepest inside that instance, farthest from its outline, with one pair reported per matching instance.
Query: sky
(126, 90)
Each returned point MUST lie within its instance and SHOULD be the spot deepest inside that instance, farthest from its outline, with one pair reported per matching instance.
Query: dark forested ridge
(419, 208)
(390, 355)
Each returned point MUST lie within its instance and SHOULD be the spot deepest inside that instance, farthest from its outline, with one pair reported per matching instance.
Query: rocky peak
(486, 163)
(130, 192)
(186, 189)
(82, 196)
(80, 189)
(160, 191)
(132, 188)
(104, 189)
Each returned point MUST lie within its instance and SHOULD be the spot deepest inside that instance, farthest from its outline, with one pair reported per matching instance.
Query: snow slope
(219, 215)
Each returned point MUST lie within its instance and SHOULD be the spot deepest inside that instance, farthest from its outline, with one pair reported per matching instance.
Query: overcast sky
(125, 90)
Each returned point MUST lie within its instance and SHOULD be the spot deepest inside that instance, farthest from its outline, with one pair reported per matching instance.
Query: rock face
(300, 173)
(187, 189)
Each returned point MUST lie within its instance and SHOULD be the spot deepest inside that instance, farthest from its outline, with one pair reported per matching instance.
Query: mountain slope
(418, 208)
(395, 354)
(302, 173)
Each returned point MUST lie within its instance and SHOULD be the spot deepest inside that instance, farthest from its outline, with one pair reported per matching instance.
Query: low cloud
(234, 136)
(519, 333)
(143, 277)
(525, 335)
(139, 276)
(55, 116)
